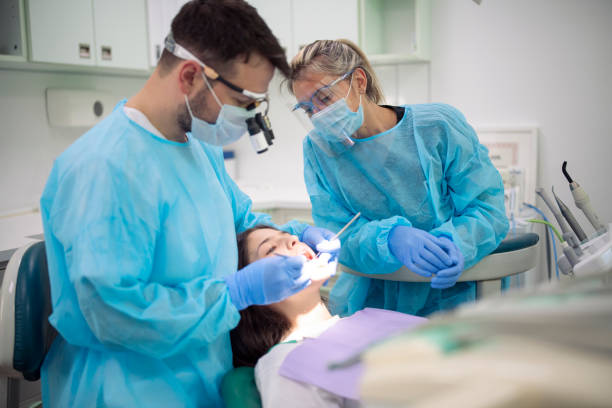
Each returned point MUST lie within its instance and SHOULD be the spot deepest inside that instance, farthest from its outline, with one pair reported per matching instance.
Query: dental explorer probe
(582, 201)
(342, 230)
(569, 217)
(345, 227)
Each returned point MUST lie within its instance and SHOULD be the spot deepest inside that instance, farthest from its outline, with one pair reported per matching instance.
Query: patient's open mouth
(309, 256)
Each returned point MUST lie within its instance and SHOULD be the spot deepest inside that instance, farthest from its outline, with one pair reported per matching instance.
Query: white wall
(546, 63)
(28, 145)
(281, 166)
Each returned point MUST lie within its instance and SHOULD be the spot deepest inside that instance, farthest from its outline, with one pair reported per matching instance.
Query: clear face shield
(327, 118)
(257, 125)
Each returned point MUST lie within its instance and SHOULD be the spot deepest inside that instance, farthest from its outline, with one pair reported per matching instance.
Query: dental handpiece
(582, 201)
(569, 217)
(568, 234)
(560, 220)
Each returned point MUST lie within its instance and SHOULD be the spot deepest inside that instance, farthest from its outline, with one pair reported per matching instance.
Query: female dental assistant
(429, 196)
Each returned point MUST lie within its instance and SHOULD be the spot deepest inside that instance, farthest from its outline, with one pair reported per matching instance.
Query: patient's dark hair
(260, 327)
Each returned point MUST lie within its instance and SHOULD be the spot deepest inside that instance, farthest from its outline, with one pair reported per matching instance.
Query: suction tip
(567, 176)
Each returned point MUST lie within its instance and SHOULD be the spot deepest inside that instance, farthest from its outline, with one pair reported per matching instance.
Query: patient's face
(266, 242)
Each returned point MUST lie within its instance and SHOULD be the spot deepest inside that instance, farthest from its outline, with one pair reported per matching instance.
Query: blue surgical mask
(334, 126)
(229, 127)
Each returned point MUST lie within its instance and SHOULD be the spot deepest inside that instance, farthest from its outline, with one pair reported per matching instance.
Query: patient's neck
(302, 316)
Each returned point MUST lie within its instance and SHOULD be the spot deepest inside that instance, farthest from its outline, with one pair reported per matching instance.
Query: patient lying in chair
(267, 334)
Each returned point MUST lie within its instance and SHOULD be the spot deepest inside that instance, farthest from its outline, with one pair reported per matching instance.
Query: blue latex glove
(319, 240)
(420, 251)
(267, 280)
(451, 249)
(448, 277)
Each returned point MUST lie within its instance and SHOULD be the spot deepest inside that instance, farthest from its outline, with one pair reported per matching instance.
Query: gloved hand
(448, 277)
(420, 251)
(451, 249)
(318, 239)
(267, 280)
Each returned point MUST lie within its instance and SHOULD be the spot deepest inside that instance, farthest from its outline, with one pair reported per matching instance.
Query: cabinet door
(324, 20)
(61, 31)
(121, 33)
(160, 16)
(277, 14)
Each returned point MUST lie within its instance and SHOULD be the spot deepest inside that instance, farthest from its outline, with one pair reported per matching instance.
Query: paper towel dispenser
(78, 107)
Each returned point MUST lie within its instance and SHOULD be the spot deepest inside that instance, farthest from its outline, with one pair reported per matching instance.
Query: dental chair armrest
(513, 256)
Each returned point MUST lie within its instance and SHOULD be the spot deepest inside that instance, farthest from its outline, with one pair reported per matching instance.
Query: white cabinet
(12, 31)
(61, 31)
(108, 33)
(395, 31)
(325, 20)
(297, 23)
(278, 16)
(389, 31)
(121, 33)
(160, 14)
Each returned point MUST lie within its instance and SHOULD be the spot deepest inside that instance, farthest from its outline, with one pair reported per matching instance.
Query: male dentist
(140, 222)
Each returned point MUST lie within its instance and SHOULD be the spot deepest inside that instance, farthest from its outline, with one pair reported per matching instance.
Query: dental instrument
(582, 201)
(569, 217)
(560, 220)
(346, 226)
(342, 230)
(568, 234)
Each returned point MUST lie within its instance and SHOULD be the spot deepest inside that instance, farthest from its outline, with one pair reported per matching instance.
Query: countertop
(269, 196)
(18, 230)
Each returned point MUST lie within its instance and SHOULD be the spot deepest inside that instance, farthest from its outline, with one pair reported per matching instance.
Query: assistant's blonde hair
(335, 57)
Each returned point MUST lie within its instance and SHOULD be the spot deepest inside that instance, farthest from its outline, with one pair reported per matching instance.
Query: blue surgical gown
(140, 232)
(430, 172)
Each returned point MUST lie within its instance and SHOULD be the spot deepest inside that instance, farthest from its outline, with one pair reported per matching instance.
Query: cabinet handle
(107, 52)
(84, 51)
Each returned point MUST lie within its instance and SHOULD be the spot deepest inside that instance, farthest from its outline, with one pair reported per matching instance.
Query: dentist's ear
(188, 72)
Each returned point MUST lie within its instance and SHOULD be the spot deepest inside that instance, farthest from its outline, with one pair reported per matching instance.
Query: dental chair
(514, 255)
(25, 332)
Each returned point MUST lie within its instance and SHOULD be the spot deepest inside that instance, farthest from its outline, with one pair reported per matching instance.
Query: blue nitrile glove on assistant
(446, 278)
(267, 280)
(319, 240)
(419, 250)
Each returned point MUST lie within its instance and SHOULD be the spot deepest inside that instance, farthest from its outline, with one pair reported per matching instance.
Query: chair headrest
(33, 332)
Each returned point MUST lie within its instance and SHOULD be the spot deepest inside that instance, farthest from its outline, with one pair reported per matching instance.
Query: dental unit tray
(513, 256)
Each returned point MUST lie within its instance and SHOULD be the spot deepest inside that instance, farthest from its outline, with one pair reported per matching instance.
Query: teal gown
(140, 232)
(430, 172)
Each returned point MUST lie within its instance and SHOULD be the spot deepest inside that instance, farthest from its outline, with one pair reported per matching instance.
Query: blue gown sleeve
(474, 186)
(244, 218)
(364, 243)
(111, 277)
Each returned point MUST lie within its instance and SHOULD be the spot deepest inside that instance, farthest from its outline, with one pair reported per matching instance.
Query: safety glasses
(322, 97)
(179, 51)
